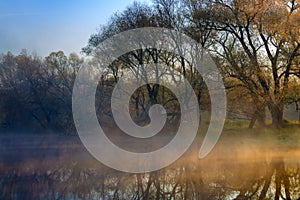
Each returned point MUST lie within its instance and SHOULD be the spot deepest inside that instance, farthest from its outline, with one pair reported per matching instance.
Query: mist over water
(59, 167)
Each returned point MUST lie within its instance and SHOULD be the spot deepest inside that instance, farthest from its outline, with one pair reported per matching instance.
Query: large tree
(162, 14)
(258, 45)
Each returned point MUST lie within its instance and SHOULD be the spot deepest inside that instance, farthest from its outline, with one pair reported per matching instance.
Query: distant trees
(36, 93)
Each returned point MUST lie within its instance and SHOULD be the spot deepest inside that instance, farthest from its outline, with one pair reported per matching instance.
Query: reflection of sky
(46, 26)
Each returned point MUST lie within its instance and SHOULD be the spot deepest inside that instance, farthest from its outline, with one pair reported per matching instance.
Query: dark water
(58, 167)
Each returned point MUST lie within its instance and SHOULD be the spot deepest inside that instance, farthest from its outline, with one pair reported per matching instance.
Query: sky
(44, 26)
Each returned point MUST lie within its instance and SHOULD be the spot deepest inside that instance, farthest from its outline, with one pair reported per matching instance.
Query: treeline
(36, 93)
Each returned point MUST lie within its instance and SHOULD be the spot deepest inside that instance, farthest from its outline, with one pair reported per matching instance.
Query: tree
(258, 45)
(60, 72)
(37, 93)
(162, 14)
(22, 81)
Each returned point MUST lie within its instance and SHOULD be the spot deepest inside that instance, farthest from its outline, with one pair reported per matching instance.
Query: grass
(237, 129)
(287, 137)
(236, 124)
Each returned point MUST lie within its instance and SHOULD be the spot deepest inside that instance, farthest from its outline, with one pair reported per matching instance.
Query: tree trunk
(298, 110)
(252, 122)
(277, 114)
(259, 116)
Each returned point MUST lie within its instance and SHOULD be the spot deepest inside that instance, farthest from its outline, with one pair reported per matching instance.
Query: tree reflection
(186, 179)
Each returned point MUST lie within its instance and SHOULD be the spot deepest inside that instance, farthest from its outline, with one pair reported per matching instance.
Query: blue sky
(46, 26)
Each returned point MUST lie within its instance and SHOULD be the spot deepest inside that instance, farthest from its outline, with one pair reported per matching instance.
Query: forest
(255, 45)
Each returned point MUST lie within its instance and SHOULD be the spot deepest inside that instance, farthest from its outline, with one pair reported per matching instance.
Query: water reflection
(72, 174)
